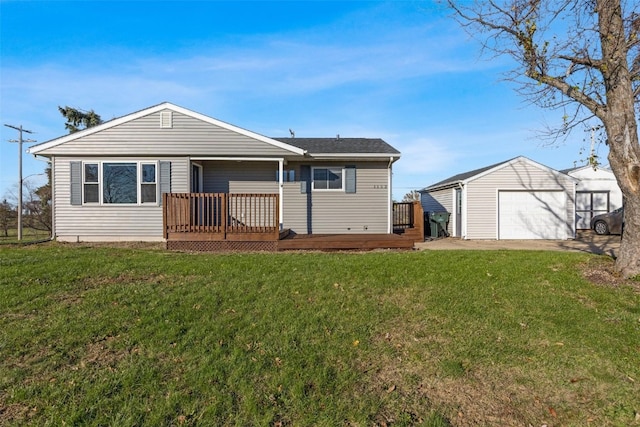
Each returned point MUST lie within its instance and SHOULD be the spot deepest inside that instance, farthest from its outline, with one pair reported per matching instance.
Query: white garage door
(532, 215)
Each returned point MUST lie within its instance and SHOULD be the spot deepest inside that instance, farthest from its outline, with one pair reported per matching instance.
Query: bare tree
(411, 196)
(37, 207)
(8, 216)
(36, 204)
(583, 58)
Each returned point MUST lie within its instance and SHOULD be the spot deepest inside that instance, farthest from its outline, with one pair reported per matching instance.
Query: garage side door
(588, 205)
(532, 215)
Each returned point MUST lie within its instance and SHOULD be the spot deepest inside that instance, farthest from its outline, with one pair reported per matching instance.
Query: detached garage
(516, 199)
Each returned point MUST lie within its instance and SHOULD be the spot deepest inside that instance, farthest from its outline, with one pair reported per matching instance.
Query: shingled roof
(462, 176)
(341, 145)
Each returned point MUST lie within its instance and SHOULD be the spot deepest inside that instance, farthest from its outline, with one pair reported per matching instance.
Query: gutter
(390, 195)
(53, 205)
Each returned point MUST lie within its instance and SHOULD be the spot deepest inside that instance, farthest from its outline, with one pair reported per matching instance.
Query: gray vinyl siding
(440, 201)
(482, 193)
(144, 136)
(136, 222)
(295, 208)
(240, 177)
(365, 211)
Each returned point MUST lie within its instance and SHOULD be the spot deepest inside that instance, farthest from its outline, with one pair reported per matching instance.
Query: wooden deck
(248, 222)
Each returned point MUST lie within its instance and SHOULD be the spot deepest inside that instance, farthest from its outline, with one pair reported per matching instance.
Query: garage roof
(465, 177)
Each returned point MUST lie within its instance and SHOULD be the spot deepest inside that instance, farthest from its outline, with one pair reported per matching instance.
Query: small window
(287, 175)
(148, 183)
(91, 184)
(327, 179)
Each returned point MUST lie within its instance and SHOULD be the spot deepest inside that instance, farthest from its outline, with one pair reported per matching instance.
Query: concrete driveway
(585, 241)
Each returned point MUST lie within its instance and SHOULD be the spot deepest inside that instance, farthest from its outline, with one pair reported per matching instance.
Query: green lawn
(29, 235)
(121, 336)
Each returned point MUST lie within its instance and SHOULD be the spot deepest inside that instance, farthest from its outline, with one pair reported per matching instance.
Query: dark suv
(608, 223)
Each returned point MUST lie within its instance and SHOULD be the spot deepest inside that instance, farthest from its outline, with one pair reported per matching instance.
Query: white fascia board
(516, 160)
(95, 129)
(236, 129)
(239, 159)
(446, 185)
(582, 168)
(349, 156)
(164, 106)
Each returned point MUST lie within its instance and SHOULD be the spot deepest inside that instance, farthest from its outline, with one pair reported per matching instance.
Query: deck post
(224, 213)
(278, 208)
(418, 217)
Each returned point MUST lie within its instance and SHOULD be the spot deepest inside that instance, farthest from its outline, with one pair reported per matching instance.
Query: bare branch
(589, 62)
(583, 57)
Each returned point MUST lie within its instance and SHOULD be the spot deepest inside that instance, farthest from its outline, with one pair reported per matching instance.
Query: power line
(20, 141)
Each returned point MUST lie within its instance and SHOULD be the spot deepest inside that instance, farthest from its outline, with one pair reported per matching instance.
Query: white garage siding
(532, 215)
(482, 195)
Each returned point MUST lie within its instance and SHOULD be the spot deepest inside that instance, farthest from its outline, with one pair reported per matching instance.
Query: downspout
(53, 197)
(280, 193)
(53, 204)
(574, 228)
(390, 197)
(463, 211)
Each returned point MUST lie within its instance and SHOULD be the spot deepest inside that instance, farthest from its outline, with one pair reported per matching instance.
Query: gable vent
(166, 119)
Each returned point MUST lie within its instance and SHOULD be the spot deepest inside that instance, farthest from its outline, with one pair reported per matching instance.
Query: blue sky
(403, 71)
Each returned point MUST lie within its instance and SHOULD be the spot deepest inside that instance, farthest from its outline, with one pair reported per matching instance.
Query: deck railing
(408, 218)
(220, 213)
(403, 215)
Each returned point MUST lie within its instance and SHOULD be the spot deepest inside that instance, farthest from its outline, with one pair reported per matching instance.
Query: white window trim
(141, 183)
(342, 188)
(138, 164)
(200, 177)
(99, 183)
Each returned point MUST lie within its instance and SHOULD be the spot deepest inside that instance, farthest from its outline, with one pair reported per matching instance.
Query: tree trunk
(621, 127)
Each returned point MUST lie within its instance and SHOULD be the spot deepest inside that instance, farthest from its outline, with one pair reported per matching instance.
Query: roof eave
(154, 109)
(444, 186)
(321, 156)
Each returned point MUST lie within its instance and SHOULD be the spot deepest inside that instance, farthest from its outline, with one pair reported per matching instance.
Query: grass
(117, 336)
(29, 235)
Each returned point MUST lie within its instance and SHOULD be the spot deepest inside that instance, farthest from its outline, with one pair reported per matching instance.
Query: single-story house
(515, 199)
(167, 172)
(597, 192)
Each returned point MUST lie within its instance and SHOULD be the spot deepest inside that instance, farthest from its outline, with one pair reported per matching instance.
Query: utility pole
(20, 141)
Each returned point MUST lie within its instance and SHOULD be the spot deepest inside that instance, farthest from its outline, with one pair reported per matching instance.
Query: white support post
(390, 197)
(280, 192)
